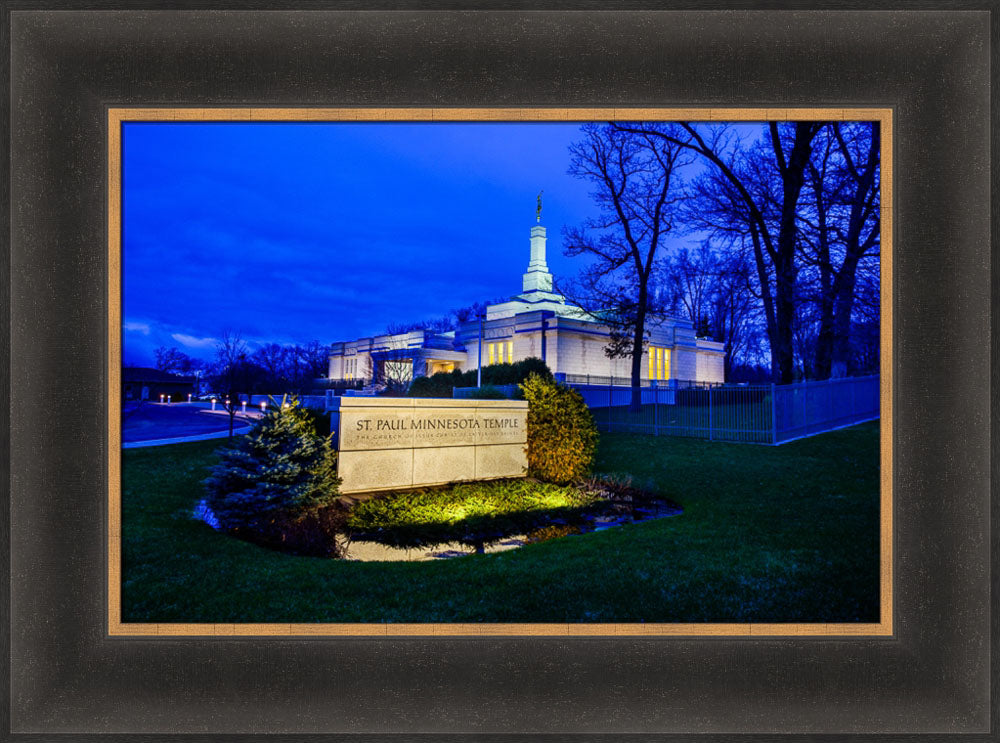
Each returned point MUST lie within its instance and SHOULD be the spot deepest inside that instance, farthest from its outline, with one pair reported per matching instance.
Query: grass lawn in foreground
(768, 534)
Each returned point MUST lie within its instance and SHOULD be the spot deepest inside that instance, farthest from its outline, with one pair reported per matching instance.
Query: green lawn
(768, 534)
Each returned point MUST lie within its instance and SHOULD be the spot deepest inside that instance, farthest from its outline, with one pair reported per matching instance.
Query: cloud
(137, 327)
(191, 342)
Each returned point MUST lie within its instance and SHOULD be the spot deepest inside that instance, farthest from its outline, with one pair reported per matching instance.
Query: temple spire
(537, 277)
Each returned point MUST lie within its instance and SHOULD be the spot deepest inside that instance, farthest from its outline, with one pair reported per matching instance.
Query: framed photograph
(406, 410)
(259, 506)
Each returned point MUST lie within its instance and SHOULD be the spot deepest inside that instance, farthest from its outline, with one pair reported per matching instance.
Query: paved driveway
(153, 421)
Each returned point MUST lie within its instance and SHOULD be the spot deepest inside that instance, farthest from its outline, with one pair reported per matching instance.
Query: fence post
(805, 405)
(656, 409)
(710, 413)
(611, 402)
(774, 415)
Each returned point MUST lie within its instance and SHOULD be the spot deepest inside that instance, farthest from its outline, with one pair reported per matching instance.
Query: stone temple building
(537, 322)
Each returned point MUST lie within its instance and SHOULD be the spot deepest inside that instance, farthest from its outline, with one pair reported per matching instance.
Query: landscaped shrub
(487, 392)
(318, 533)
(281, 473)
(436, 385)
(442, 383)
(547, 533)
(531, 365)
(562, 437)
(320, 420)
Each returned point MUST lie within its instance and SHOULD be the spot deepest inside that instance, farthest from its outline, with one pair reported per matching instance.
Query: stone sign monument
(387, 443)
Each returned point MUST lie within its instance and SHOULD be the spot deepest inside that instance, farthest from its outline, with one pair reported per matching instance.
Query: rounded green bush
(562, 437)
(442, 384)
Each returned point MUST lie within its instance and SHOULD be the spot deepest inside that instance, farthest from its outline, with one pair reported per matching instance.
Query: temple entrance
(434, 366)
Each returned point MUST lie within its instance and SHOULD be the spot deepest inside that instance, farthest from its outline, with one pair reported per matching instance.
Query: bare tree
(313, 359)
(273, 359)
(689, 280)
(840, 236)
(637, 190)
(861, 239)
(231, 375)
(766, 183)
(448, 322)
(174, 361)
(714, 290)
(393, 372)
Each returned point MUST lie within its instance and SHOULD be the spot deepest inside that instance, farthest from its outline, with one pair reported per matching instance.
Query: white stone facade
(539, 323)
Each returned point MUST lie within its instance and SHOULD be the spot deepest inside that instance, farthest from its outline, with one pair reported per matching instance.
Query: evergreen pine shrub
(562, 436)
(282, 471)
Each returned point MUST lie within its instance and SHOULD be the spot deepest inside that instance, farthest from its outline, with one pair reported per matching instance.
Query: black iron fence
(750, 413)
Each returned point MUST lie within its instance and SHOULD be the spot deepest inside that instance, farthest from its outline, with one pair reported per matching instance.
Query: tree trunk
(792, 179)
(843, 289)
(768, 300)
(823, 359)
(784, 306)
(843, 307)
(824, 341)
(635, 404)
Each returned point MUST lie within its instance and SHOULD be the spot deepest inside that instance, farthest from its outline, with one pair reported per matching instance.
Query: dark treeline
(268, 369)
(447, 322)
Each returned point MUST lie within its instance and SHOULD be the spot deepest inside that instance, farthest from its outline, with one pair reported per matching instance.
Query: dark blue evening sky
(290, 232)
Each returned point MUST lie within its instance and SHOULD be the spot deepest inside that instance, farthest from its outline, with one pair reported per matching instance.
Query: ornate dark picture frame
(69, 66)
(882, 563)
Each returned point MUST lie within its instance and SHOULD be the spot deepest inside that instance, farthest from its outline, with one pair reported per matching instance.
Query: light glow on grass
(474, 513)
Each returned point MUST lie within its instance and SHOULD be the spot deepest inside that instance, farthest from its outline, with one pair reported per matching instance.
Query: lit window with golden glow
(659, 363)
(499, 353)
